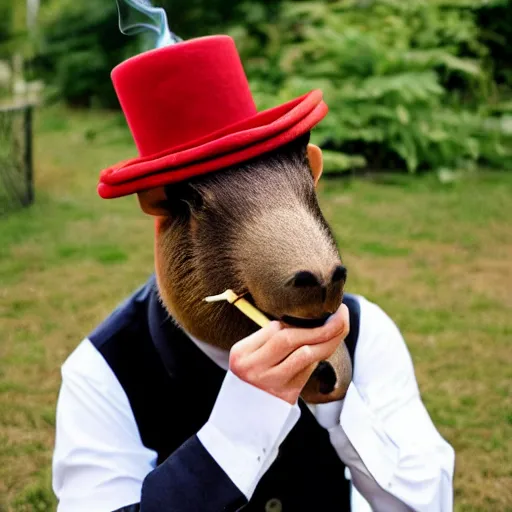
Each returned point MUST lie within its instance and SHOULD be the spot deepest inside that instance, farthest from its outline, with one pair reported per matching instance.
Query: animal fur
(250, 228)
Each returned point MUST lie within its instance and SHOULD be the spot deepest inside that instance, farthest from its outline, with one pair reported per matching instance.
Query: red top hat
(190, 112)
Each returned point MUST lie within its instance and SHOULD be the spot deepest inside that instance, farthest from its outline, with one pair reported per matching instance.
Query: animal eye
(183, 199)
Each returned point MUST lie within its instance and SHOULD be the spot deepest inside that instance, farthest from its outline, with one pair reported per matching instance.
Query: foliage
(406, 82)
(192, 18)
(410, 85)
(495, 22)
(5, 22)
(12, 31)
(80, 44)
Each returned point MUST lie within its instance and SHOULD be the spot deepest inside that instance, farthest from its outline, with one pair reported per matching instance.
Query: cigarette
(243, 305)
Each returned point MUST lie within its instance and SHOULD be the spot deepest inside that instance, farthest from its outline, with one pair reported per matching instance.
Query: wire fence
(16, 166)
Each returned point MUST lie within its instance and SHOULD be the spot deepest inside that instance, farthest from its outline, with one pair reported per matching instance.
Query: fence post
(16, 157)
(29, 169)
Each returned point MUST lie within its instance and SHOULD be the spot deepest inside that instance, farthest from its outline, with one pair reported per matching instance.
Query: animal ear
(316, 161)
(153, 202)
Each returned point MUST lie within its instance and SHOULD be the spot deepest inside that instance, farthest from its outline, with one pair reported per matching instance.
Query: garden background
(418, 190)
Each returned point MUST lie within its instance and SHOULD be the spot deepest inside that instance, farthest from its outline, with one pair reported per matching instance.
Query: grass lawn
(437, 258)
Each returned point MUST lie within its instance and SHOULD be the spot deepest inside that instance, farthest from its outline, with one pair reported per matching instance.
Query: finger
(304, 357)
(289, 339)
(251, 343)
(291, 390)
(298, 382)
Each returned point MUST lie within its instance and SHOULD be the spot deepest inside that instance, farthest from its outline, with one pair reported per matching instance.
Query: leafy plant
(403, 80)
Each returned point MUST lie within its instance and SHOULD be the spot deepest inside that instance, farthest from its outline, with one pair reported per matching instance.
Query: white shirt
(381, 430)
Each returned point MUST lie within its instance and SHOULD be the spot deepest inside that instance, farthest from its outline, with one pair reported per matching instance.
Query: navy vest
(172, 386)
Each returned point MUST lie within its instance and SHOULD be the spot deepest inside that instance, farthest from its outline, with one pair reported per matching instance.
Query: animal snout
(310, 297)
(308, 279)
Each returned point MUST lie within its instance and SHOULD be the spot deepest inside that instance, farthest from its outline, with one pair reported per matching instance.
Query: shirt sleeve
(101, 464)
(385, 434)
(99, 461)
(245, 430)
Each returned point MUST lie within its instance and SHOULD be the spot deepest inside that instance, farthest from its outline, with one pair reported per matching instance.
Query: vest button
(274, 505)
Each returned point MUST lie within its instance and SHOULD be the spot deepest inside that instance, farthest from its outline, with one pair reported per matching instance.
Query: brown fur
(248, 228)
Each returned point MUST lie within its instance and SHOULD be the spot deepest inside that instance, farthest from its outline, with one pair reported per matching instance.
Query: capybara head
(255, 228)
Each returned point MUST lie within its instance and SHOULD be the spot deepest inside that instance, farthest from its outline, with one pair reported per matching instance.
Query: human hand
(331, 378)
(280, 359)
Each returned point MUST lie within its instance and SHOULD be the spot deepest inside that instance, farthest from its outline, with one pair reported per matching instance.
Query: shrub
(80, 44)
(406, 82)
(495, 25)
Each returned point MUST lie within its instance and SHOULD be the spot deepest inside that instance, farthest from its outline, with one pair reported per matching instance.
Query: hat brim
(239, 142)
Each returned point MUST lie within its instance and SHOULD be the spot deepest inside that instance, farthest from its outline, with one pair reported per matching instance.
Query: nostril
(339, 274)
(304, 279)
(326, 376)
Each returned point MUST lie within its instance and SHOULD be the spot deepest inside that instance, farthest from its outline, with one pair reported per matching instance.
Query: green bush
(495, 24)
(11, 36)
(406, 82)
(79, 45)
(5, 25)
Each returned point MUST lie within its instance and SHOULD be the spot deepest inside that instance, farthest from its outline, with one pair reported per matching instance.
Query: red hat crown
(177, 94)
(190, 111)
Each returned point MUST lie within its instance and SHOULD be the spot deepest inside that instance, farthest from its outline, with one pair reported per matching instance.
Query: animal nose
(339, 274)
(309, 297)
(307, 279)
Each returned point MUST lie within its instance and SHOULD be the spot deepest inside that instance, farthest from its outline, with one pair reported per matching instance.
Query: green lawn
(437, 258)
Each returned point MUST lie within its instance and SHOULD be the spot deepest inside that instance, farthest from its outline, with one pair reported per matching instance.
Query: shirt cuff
(368, 436)
(245, 429)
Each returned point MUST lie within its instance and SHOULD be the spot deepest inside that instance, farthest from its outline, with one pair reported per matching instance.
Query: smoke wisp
(138, 16)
